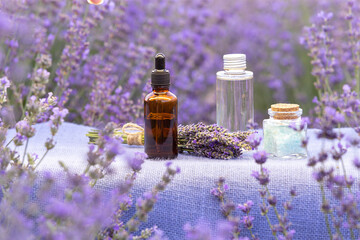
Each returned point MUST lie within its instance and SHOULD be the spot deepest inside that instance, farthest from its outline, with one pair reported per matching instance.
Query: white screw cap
(234, 61)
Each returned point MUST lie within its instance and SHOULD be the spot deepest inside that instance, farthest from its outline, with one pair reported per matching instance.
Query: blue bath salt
(281, 141)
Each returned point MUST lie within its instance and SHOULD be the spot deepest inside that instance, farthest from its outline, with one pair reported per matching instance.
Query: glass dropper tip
(160, 61)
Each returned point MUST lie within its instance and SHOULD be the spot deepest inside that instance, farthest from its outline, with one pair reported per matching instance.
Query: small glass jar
(280, 140)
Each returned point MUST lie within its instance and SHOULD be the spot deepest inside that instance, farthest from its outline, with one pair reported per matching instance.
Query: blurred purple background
(102, 55)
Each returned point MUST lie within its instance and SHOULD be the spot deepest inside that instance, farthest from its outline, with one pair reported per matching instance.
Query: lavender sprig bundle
(211, 141)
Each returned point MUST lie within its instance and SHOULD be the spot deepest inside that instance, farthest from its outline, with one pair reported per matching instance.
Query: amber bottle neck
(164, 88)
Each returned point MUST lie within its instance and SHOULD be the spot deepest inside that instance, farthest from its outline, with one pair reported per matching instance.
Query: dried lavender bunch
(211, 141)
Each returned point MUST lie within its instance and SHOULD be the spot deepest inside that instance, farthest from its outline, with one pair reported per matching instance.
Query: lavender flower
(247, 221)
(220, 189)
(356, 162)
(246, 207)
(73, 53)
(23, 127)
(262, 177)
(57, 118)
(272, 200)
(40, 78)
(200, 231)
(264, 209)
(136, 161)
(232, 225)
(254, 140)
(4, 85)
(145, 204)
(101, 157)
(331, 42)
(46, 106)
(75, 204)
(44, 61)
(293, 192)
(260, 157)
(23, 131)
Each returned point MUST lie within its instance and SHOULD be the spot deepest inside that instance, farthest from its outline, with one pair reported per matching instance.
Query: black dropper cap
(160, 76)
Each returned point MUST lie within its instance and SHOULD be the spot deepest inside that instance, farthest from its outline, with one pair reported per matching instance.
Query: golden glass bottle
(160, 113)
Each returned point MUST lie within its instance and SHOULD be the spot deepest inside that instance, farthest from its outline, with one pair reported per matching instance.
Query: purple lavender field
(69, 60)
(99, 57)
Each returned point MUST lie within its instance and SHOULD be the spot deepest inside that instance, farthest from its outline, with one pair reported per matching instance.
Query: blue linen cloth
(188, 198)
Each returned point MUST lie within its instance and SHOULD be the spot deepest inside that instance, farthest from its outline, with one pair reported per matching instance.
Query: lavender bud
(325, 207)
(166, 179)
(356, 162)
(227, 208)
(44, 60)
(260, 157)
(262, 177)
(133, 225)
(262, 193)
(49, 144)
(247, 221)
(312, 162)
(264, 209)
(293, 192)
(287, 205)
(322, 156)
(272, 200)
(221, 180)
(160, 186)
(246, 207)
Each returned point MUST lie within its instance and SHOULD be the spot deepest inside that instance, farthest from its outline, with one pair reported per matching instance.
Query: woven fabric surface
(188, 198)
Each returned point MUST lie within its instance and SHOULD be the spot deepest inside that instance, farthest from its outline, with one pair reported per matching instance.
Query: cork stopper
(285, 107)
(285, 111)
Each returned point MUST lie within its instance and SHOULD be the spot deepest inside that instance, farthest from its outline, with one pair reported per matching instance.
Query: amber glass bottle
(160, 112)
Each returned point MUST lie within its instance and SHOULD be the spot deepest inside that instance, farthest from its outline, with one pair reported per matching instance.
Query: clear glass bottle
(280, 140)
(234, 94)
